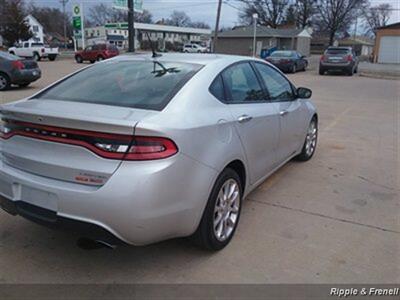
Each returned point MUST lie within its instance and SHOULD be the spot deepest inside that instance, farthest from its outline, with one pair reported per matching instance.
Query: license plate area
(39, 198)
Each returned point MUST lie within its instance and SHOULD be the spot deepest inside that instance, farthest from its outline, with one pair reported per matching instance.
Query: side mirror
(304, 93)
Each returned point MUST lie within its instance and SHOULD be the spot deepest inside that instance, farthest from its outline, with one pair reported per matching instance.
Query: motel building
(117, 34)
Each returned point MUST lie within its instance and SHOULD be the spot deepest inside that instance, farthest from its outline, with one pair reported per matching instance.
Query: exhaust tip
(89, 244)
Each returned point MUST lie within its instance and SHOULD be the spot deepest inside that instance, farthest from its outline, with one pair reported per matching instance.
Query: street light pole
(131, 26)
(255, 17)
(64, 3)
(217, 26)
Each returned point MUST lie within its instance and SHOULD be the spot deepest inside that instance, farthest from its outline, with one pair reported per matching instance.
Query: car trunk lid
(66, 140)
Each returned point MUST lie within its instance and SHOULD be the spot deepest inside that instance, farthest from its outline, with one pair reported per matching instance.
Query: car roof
(202, 59)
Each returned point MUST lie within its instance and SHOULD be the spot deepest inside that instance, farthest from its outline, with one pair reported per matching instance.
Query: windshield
(337, 51)
(282, 54)
(8, 56)
(136, 84)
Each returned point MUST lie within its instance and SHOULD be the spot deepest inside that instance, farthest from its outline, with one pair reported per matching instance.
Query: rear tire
(5, 82)
(92, 61)
(12, 52)
(79, 59)
(36, 56)
(310, 144)
(52, 57)
(213, 234)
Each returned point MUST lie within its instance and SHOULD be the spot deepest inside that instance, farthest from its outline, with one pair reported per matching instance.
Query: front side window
(241, 84)
(135, 84)
(278, 86)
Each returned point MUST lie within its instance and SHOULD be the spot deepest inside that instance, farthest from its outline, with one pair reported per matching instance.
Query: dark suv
(96, 53)
(339, 59)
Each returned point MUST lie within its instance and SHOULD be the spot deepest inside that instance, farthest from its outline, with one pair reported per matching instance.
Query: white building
(36, 29)
(117, 33)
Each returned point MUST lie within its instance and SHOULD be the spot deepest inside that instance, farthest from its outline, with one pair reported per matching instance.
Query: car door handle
(244, 119)
(283, 113)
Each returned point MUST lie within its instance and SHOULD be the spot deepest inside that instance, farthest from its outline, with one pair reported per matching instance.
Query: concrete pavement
(334, 219)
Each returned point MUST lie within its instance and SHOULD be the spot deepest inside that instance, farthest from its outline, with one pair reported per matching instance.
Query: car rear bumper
(142, 203)
(25, 76)
(51, 220)
(337, 66)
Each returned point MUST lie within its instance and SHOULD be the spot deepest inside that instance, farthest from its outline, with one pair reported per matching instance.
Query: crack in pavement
(325, 216)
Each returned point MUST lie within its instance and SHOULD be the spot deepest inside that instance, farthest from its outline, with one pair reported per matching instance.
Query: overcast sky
(198, 10)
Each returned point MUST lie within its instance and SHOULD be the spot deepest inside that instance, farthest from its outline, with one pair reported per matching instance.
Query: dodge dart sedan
(139, 149)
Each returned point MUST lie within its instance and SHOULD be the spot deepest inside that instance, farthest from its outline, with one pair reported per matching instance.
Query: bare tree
(178, 18)
(52, 19)
(304, 12)
(376, 16)
(201, 25)
(270, 12)
(100, 14)
(334, 16)
(13, 25)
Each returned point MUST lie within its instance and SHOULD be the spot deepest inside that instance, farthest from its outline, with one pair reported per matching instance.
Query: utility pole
(131, 26)
(64, 3)
(217, 26)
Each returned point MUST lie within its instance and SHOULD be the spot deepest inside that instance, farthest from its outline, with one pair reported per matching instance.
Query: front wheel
(310, 144)
(221, 215)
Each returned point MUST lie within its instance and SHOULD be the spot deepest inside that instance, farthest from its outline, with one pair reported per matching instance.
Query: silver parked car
(139, 149)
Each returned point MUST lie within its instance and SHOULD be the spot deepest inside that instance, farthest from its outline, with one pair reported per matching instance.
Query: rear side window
(241, 84)
(37, 45)
(136, 84)
(217, 89)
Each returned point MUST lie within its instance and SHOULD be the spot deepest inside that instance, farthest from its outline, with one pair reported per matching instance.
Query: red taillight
(17, 64)
(106, 145)
(42, 50)
(322, 57)
(350, 58)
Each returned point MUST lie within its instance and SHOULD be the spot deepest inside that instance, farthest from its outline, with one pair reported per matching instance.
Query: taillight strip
(137, 147)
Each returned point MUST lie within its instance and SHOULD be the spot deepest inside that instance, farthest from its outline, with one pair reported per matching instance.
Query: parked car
(288, 61)
(96, 53)
(127, 160)
(34, 50)
(341, 59)
(194, 48)
(14, 70)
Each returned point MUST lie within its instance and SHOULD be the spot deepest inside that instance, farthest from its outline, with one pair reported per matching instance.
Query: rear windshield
(337, 51)
(5, 55)
(112, 48)
(136, 84)
(282, 54)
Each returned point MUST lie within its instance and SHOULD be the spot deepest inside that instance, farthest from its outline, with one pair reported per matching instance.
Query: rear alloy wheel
(222, 213)
(4, 82)
(310, 143)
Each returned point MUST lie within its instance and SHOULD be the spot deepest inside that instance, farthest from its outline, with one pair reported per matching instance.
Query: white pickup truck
(34, 50)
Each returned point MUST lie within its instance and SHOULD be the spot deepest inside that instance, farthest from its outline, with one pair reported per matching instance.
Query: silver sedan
(139, 149)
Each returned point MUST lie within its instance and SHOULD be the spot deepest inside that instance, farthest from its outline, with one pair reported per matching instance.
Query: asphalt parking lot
(333, 219)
